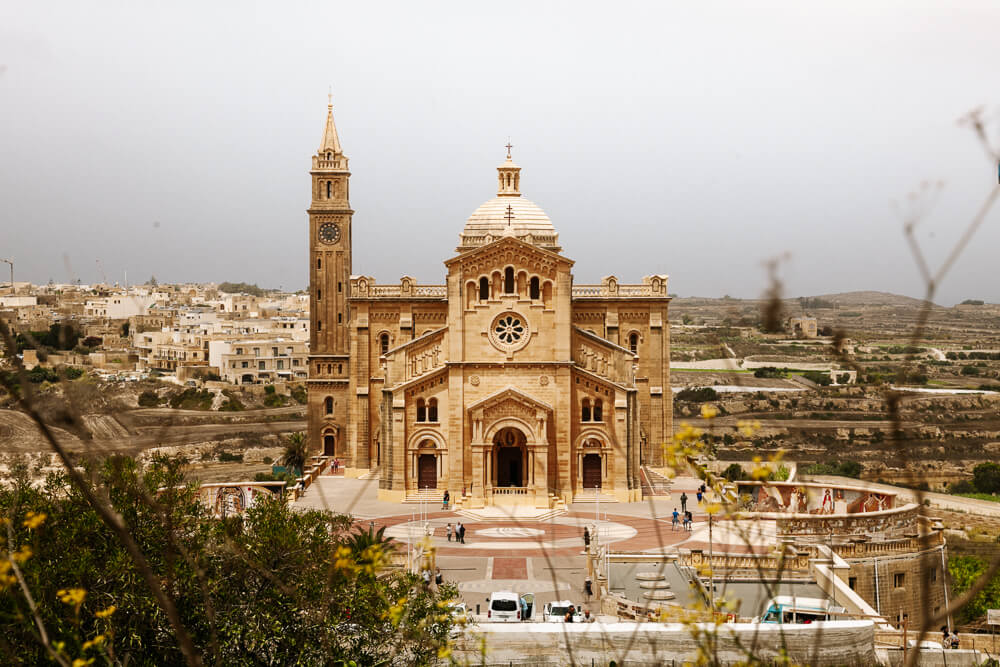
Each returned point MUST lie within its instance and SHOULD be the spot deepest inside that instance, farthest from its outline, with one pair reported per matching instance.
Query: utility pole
(11, 262)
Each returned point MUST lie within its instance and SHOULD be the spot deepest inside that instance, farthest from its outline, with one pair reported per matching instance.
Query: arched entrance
(427, 471)
(511, 461)
(329, 445)
(592, 471)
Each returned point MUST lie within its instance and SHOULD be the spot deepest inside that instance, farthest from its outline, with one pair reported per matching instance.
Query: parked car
(503, 607)
(790, 609)
(555, 612)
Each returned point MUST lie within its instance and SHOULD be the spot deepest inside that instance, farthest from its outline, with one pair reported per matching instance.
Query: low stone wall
(834, 643)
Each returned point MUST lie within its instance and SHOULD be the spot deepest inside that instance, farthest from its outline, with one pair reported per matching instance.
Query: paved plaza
(545, 557)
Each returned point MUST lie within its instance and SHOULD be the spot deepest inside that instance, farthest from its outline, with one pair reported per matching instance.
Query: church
(506, 385)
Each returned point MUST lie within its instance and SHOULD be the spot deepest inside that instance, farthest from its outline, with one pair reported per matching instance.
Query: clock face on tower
(329, 232)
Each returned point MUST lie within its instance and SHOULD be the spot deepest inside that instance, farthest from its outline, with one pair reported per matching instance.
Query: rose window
(509, 332)
(509, 329)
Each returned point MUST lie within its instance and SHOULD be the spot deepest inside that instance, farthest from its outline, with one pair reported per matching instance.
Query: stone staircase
(429, 496)
(653, 483)
(593, 496)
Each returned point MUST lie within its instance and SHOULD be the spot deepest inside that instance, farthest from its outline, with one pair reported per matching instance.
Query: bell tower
(329, 280)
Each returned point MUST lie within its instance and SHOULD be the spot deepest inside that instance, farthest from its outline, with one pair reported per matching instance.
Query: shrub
(839, 468)
(192, 399)
(149, 399)
(734, 472)
(229, 457)
(299, 394)
(273, 400)
(770, 372)
(697, 395)
(819, 377)
(970, 370)
(986, 477)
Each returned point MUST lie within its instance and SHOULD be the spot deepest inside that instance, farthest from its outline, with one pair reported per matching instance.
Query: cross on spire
(510, 214)
(509, 146)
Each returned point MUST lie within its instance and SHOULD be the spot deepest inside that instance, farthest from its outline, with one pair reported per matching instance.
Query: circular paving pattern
(504, 532)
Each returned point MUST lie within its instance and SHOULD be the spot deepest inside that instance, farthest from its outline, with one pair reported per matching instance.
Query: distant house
(802, 327)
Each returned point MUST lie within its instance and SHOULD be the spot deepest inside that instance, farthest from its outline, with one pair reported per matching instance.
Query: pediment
(509, 250)
(509, 402)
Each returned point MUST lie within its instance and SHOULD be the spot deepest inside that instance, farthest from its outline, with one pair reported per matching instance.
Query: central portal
(511, 469)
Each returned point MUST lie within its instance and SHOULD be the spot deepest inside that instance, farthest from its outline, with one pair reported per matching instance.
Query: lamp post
(11, 262)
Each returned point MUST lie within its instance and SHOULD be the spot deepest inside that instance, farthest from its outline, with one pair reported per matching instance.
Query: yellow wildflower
(74, 596)
(713, 508)
(96, 641)
(22, 554)
(33, 520)
(105, 613)
(80, 662)
(708, 411)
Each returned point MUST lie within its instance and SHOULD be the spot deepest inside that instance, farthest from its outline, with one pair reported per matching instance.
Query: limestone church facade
(507, 384)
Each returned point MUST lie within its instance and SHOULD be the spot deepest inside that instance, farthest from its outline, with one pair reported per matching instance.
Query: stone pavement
(543, 557)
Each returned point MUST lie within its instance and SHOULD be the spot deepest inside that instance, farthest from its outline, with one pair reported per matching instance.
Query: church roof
(509, 214)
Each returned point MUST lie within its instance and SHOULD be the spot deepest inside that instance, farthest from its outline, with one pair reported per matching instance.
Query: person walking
(445, 500)
(438, 577)
(586, 538)
(447, 531)
(673, 524)
(684, 502)
(689, 517)
(588, 588)
(461, 533)
(698, 496)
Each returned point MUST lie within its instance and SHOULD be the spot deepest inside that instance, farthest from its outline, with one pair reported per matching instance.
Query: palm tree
(296, 452)
(362, 539)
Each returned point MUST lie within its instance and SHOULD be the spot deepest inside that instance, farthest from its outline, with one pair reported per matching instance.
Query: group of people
(438, 577)
(458, 531)
(571, 613)
(335, 466)
(949, 638)
(688, 520)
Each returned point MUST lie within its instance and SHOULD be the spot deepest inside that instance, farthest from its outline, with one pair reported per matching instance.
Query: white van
(555, 612)
(503, 607)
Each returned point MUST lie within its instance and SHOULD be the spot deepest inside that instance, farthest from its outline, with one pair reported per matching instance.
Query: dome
(509, 214)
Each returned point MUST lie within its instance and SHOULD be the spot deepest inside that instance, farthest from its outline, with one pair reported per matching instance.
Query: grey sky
(695, 139)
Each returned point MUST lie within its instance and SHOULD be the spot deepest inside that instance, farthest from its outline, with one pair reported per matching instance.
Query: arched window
(383, 342)
(598, 410)
(633, 343)
(328, 155)
(432, 410)
(319, 295)
(508, 280)
(421, 410)
(484, 289)
(328, 404)
(328, 186)
(534, 290)
(319, 263)
(585, 411)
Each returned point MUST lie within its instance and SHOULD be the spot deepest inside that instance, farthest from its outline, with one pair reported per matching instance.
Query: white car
(503, 607)
(555, 612)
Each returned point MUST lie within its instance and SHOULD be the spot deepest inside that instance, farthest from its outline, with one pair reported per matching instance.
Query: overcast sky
(696, 139)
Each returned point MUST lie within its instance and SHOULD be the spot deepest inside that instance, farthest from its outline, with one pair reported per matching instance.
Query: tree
(273, 586)
(296, 452)
(152, 281)
(986, 477)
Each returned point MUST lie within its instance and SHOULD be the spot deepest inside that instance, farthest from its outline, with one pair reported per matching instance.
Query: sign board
(993, 616)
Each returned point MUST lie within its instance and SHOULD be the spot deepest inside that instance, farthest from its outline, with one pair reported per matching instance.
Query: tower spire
(330, 142)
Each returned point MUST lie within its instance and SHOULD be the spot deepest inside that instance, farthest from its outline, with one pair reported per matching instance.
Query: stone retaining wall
(836, 643)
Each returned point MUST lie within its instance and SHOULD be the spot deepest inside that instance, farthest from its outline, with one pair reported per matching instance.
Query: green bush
(964, 571)
(734, 472)
(229, 457)
(149, 399)
(986, 477)
(770, 372)
(273, 400)
(232, 403)
(839, 468)
(697, 395)
(819, 377)
(970, 370)
(192, 399)
(299, 394)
